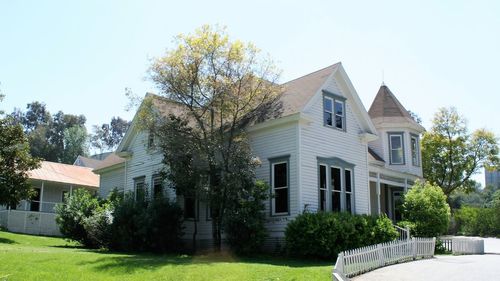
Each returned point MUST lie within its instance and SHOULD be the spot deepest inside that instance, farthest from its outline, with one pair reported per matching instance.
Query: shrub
(425, 210)
(70, 217)
(98, 226)
(475, 221)
(146, 225)
(324, 235)
(244, 223)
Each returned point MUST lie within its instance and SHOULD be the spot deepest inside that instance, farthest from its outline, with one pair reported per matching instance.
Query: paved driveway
(457, 268)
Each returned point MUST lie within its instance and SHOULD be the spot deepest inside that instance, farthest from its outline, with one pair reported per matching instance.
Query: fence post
(407, 232)
(380, 251)
(414, 244)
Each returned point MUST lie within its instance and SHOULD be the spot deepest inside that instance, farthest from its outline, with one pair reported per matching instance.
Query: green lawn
(25, 257)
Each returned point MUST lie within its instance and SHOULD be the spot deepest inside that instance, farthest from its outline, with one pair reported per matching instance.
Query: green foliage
(108, 136)
(98, 226)
(71, 216)
(47, 133)
(451, 155)
(15, 162)
(425, 210)
(218, 88)
(474, 221)
(244, 224)
(75, 143)
(146, 226)
(324, 235)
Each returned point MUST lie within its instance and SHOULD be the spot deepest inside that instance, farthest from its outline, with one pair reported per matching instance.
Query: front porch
(38, 215)
(387, 189)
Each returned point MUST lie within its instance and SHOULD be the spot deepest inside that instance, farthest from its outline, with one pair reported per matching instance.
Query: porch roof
(64, 173)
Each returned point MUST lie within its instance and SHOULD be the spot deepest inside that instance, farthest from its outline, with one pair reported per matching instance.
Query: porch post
(406, 185)
(41, 199)
(378, 193)
(70, 189)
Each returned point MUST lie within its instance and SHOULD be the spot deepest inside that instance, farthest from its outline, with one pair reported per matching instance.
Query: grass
(26, 257)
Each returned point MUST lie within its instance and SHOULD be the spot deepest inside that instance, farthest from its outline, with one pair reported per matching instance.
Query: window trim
(401, 135)
(272, 162)
(417, 139)
(196, 209)
(162, 184)
(323, 189)
(137, 180)
(335, 98)
(341, 191)
(352, 188)
(338, 163)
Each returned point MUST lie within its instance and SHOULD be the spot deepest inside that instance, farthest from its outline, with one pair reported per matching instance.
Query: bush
(146, 225)
(473, 221)
(244, 223)
(98, 226)
(70, 217)
(324, 235)
(425, 210)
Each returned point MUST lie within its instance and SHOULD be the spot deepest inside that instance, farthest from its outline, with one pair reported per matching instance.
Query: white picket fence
(467, 246)
(357, 261)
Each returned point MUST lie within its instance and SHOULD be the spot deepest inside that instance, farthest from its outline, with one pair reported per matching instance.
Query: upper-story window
(140, 188)
(334, 111)
(396, 149)
(415, 150)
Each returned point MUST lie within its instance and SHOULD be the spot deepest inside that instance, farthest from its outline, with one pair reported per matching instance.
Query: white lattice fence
(357, 261)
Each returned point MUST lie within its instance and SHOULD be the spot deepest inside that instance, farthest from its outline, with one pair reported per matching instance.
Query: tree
(222, 87)
(75, 143)
(425, 210)
(15, 162)
(109, 136)
(451, 155)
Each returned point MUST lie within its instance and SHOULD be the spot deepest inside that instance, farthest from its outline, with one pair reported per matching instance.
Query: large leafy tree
(222, 87)
(108, 136)
(46, 132)
(451, 155)
(75, 143)
(15, 162)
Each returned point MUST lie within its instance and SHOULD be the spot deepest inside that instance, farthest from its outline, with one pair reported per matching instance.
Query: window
(139, 188)
(348, 191)
(279, 179)
(151, 140)
(333, 110)
(35, 201)
(322, 188)
(396, 148)
(415, 150)
(64, 197)
(339, 115)
(157, 186)
(189, 208)
(336, 185)
(328, 111)
(336, 189)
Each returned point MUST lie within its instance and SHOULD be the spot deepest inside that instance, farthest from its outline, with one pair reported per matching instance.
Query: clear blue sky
(78, 56)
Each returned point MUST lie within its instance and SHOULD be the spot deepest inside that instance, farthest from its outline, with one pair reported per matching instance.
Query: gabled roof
(299, 91)
(64, 173)
(375, 155)
(111, 160)
(86, 162)
(387, 106)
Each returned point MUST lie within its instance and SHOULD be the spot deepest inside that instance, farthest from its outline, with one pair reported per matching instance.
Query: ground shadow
(129, 263)
(7, 241)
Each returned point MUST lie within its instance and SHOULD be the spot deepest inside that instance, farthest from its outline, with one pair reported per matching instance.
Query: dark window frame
(415, 161)
(139, 180)
(272, 162)
(343, 166)
(335, 98)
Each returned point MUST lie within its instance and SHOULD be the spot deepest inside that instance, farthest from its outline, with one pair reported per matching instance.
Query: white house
(52, 183)
(325, 153)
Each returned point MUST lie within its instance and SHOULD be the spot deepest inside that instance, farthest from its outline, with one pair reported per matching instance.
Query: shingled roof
(299, 91)
(387, 106)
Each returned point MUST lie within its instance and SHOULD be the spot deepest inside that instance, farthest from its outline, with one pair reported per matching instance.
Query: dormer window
(334, 111)
(396, 149)
(415, 150)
